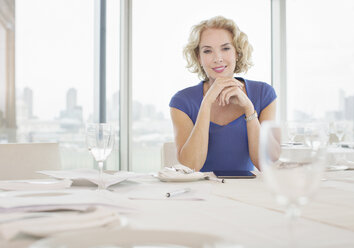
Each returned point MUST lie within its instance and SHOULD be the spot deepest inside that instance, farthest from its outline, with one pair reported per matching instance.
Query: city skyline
(72, 110)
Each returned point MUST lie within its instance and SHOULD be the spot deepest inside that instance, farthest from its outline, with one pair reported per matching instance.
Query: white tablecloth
(242, 211)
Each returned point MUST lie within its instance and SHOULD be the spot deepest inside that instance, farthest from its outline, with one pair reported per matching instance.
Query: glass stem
(101, 183)
(292, 213)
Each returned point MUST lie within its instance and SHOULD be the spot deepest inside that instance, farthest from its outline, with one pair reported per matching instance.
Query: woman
(217, 122)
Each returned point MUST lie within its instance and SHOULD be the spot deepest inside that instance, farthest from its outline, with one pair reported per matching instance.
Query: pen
(177, 192)
(215, 179)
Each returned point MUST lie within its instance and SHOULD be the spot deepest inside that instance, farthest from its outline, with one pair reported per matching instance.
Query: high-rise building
(349, 108)
(341, 100)
(71, 97)
(28, 102)
(71, 118)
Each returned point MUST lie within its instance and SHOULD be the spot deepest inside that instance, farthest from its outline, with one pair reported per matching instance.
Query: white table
(242, 211)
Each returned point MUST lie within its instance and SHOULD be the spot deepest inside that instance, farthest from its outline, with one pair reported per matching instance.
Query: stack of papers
(47, 223)
(42, 213)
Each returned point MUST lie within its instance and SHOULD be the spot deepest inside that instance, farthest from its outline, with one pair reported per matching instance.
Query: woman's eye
(226, 48)
(207, 51)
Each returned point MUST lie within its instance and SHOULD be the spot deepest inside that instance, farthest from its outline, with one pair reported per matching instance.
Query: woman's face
(217, 55)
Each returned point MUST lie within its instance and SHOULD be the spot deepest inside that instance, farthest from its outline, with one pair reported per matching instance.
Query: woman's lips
(219, 69)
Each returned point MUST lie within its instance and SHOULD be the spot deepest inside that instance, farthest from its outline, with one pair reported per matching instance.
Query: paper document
(90, 175)
(35, 184)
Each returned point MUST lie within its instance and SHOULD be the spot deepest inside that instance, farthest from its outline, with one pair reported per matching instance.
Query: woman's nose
(218, 58)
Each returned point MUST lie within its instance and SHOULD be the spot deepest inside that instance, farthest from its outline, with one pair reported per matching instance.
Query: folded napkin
(35, 184)
(91, 176)
(179, 173)
(42, 225)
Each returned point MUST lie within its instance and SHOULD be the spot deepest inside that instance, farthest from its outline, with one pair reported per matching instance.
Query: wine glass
(340, 129)
(293, 173)
(100, 141)
(293, 131)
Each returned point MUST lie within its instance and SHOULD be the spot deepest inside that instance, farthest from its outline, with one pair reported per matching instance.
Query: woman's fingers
(227, 93)
(219, 86)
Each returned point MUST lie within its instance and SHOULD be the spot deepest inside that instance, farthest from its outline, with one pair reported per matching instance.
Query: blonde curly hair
(240, 42)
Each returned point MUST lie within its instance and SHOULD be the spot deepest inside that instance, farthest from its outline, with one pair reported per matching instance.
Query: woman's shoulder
(257, 87)
(257, 84)
(192, 91)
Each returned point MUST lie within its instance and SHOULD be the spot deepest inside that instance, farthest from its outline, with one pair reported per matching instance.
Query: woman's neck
(207, 84)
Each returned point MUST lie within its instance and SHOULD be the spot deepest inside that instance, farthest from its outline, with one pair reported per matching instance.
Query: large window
(55, 71)
(320, 56)
(54, 74)
(56, 87)
(159, 68)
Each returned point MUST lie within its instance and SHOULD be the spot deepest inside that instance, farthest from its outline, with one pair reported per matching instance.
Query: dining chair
(22, 160)
(169, 154)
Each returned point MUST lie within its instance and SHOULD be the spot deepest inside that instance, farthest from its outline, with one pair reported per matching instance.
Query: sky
(54, 52)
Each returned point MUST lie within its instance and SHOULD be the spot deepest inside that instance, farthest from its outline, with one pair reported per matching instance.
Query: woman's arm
(192, 140)
(236, 95)
(253, 128)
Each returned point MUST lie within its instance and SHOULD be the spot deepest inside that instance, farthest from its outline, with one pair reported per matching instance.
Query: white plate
(129, 238)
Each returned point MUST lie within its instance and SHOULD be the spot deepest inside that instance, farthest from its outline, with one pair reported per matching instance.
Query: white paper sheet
(35, 184)
(91, 175)
(17, 201)
(54, 223)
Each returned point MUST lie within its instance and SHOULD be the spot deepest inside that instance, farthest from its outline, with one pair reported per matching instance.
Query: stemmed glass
(100, 141)
(293, 131)
(292, 173)
(340, 129)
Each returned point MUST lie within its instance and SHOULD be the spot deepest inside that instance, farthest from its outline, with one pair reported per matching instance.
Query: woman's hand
(219, 85)
(235, 95)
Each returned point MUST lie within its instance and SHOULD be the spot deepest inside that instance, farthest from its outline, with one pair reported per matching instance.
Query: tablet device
(234, 174)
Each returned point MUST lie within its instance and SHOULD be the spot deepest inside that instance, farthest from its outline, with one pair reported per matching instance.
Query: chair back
(21, 161)
(169, 154)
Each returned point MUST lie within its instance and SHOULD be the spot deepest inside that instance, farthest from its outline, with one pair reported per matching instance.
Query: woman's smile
(219, 69)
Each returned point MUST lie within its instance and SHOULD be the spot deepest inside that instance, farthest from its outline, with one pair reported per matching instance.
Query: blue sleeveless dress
(228, 145)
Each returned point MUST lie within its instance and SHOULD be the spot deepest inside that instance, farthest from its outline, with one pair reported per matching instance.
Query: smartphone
(234, 174)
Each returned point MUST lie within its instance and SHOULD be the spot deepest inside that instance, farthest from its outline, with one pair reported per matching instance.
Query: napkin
(35, 184)
(179, 173)
(53, 223)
